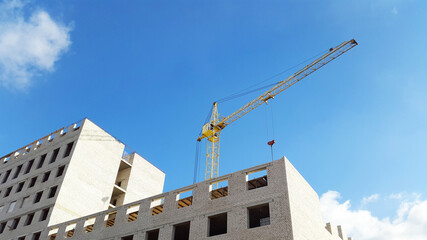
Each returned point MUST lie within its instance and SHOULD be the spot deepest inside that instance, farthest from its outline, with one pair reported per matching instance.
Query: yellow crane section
(212, 130)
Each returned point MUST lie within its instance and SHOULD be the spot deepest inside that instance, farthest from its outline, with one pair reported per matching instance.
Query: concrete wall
(90, 176)
(307, 221)
(46, 145)
(145, 180)
(235, 205)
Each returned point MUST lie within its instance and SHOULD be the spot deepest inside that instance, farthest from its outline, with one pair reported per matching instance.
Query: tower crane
(212, 129)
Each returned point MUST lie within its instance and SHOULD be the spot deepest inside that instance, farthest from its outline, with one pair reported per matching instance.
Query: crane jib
(296, 77)
(213, 128)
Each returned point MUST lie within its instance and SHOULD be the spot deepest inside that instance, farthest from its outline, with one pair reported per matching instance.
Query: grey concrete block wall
(85, 186)
(285, 222)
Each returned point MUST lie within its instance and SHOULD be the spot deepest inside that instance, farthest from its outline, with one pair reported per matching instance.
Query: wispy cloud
(409, 222)
(372, 198)
(30, 45)
(394, 11)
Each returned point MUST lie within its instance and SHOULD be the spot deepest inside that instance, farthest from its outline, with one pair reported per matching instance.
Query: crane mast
(212, 130)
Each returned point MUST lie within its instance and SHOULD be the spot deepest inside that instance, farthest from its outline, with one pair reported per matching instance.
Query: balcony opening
(110, 218)
(257, 179)
(219, 189)
(69, 230)
(52, 233)
(88, 225)
(217, 224)
(185, 198)
(259, 216)
(153, 234)
(132, 213)
(181, 231)
(157, 206)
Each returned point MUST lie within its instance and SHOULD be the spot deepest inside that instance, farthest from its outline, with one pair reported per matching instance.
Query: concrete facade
(68, 174)
(293, 211)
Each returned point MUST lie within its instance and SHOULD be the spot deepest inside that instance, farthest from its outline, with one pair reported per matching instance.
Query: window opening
(130, 237)
(14, 224)
(20, 186)
(257, 179)
(88, 225)
(29, 166)
(32, 182)
(43, 215)
(185, 198)
(259, 216)
(68, 149)
(217, 224)
(21, 238)
(11, 206)
(60, 171)
(38, 197)
(132, 213)
(29, 219)
(157, 206)
(6, 176)
(2, 227)
(54, 155)
(181, 231)
(221, 191)
(52, 192)
(18, 170)
(153, 234)
(36, 236)
(69, 230)
(41, 162)
(7, 193)
(46, 176)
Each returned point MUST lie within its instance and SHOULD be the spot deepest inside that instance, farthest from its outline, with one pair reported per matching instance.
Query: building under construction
(80, 183)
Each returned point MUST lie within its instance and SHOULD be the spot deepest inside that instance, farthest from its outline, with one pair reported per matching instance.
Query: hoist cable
(239, 93)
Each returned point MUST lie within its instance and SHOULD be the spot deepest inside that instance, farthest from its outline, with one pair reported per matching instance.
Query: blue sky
(148, 72)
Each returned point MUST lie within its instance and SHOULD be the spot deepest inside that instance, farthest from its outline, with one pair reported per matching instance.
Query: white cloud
(372, 198)
(28, 46)
(409, 223)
